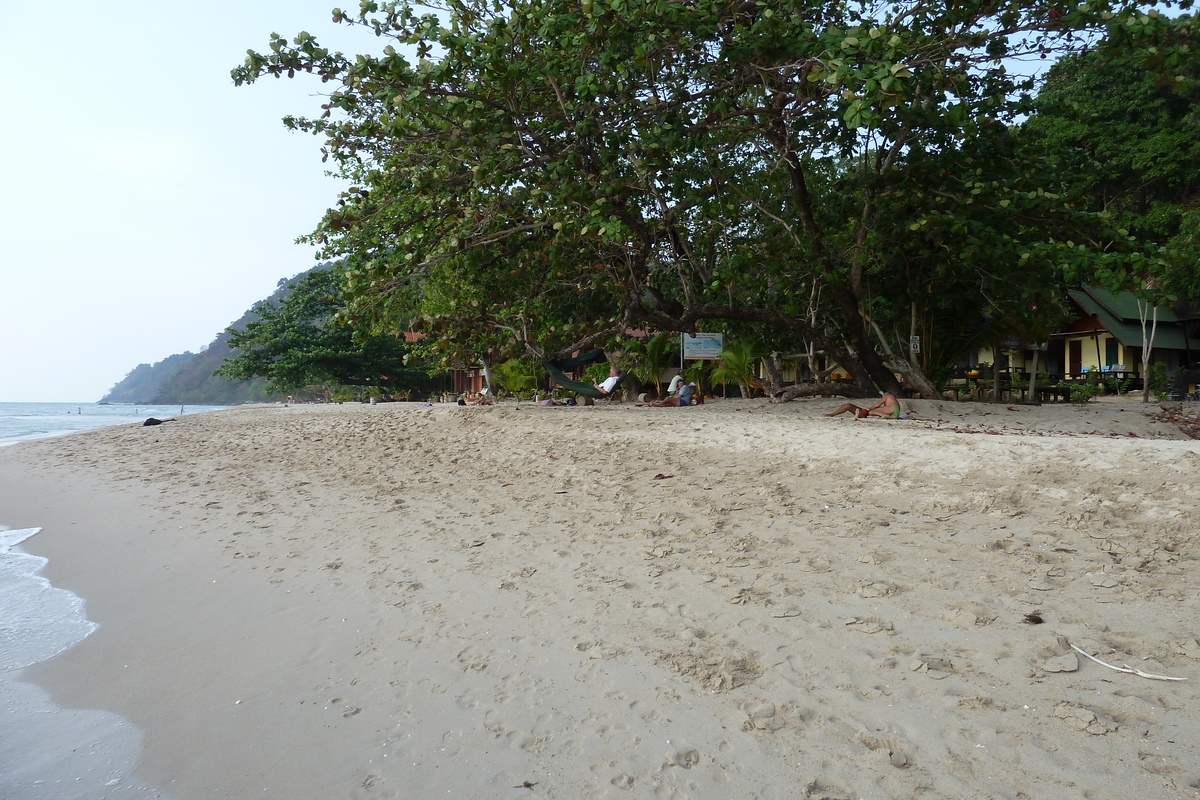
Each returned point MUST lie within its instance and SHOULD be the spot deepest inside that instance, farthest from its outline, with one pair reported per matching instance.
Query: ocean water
(22, 421)
(48, 752)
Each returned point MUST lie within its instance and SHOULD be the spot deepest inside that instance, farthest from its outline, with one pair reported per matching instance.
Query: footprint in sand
(935, 668)
(1084, 719)
(624, 781)
(870, 625)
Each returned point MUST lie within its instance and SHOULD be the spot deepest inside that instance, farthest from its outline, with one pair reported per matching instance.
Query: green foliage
(518, 375)
(648, 358)
(1126, 122)
(738, 364)
(1081, 392)
(1134, 138)
(1181, 275)
(1117, 386)
(1157, 380)
(298, 341)
(597, 373)
(546, 174)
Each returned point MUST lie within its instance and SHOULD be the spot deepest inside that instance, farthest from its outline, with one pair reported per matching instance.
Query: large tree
(546, 174)
(1133, 140)
(299, 340)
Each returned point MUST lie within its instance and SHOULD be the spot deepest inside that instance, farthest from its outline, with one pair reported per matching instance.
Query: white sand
(739, 600)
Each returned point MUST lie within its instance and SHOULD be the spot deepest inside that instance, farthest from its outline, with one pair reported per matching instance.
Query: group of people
(682, 392)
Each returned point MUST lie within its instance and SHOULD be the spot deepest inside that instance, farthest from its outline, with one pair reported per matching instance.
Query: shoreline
(393, 600)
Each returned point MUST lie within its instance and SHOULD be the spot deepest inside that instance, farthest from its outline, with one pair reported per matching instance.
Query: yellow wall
(1015, 361)
(1094, 353)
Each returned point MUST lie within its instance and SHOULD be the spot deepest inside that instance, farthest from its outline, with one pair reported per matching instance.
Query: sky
(145, 202)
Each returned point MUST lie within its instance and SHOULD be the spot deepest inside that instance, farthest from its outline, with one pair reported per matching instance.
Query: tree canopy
(1133, 140)
(545, 175)
(297, 341)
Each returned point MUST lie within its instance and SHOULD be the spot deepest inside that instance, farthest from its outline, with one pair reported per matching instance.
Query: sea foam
(37, 621)
(47, 752)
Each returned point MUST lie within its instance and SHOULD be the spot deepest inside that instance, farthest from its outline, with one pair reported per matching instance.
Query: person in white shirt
(610, 382)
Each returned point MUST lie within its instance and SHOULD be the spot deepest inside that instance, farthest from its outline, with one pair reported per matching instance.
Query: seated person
(685, 397)
(888, 407)
(610, 382)
(676, 382)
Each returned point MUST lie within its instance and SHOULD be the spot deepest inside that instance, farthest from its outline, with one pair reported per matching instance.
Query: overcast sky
(146, 202)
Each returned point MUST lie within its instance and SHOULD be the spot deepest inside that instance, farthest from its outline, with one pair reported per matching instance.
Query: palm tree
(652, 356)
(739, 363)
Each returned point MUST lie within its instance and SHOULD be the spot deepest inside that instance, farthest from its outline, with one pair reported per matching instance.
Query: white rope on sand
(1127, 668)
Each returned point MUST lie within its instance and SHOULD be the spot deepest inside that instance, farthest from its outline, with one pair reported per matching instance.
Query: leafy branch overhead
(542, 175)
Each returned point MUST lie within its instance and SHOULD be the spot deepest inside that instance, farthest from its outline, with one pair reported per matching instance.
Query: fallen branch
(1127, 668)
(843, 389)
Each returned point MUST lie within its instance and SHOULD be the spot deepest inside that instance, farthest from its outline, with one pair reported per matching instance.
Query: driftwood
(823, 390)
(1126, 668)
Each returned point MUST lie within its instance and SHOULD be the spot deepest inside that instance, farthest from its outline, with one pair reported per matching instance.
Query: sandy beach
(738, 600)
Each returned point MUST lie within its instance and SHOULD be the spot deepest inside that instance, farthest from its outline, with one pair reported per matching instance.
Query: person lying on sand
(480, 399)
(888, 407)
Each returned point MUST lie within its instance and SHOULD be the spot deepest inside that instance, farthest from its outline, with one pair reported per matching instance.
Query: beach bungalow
(1107, 334)
(1105, 337)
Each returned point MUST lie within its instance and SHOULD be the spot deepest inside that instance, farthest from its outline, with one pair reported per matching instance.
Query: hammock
(571, 364)
(557, 372)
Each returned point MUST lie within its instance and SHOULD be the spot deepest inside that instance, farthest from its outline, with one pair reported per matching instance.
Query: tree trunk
(821, 390)
(1147, 346)
(917, 380)
(847, 298)
(487, 374)
(1033, 377)
(774, 375)
(859, 339)
(914, 376)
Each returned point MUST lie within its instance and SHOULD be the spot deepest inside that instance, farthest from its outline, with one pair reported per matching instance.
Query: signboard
(914, 344)
(703, 345)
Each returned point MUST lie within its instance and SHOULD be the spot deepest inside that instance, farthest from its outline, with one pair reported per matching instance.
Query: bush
(518, 375)
(1157, 380)
(1118, 386)
(1082, 391)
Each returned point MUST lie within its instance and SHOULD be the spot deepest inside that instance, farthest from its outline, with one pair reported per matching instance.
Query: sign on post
(914, 344)
(703, 345)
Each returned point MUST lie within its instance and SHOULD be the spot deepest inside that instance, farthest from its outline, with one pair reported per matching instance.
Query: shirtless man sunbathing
(888, 407)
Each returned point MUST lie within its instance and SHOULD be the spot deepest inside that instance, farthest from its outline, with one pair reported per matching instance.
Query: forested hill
(187, 378)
